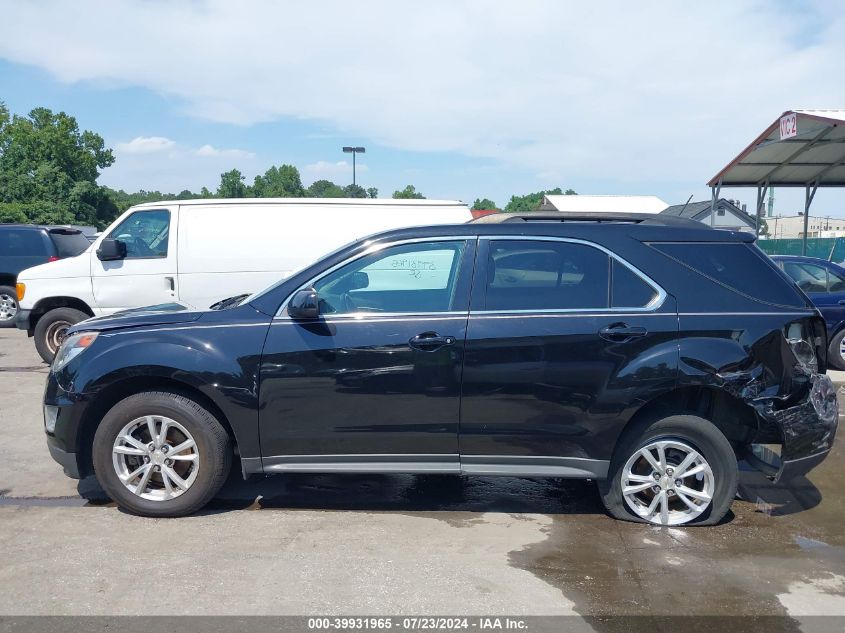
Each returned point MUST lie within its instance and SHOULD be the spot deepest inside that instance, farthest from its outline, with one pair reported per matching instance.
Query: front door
(564, 341)
(147, 275)
(376, 378)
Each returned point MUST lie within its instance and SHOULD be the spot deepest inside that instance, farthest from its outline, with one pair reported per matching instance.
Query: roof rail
(650, 219)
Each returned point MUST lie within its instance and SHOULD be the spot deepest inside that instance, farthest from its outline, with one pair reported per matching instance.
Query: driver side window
(411, 279)
(145, 234)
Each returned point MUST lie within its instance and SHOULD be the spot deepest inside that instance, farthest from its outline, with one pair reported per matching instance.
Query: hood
(163, 314)
(77, 266)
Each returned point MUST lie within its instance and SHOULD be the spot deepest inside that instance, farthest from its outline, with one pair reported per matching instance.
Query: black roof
(696, 210)
(62, 230)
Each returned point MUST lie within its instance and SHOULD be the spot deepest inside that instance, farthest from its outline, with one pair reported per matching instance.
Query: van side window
(535, 275)
(145, 234)
(411, 278)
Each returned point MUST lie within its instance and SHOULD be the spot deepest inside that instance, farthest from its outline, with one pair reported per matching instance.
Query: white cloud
(617, 92)
(161, 163)
(210, 150)
(329, 170)
(145, 145)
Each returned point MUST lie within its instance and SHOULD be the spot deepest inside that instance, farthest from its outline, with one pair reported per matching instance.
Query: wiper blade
(230, 302)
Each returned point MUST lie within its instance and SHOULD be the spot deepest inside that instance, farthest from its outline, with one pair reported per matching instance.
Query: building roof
(412, 202)
(699, 210)
(812, 151)
(603, 204)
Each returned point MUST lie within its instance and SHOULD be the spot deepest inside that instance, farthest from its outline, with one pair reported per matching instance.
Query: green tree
(530, 202)
(52, 167)
(231, 185)
(205, 193)
(481, 204)
(325, 189)
(408, 192)
(372, 192)
(279, 182)
(354, 191)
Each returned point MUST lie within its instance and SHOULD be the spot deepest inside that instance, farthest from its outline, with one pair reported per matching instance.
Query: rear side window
(22, 243)
(815, 278)
(69, 244)
(533, 275)
(740, 267)
(629, 289)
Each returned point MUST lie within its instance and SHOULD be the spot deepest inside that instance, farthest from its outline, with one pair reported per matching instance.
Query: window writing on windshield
(145, 234)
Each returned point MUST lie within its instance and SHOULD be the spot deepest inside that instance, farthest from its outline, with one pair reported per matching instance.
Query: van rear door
(147, 275)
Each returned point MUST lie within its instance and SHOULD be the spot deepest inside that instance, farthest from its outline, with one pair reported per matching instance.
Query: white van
(198, 252)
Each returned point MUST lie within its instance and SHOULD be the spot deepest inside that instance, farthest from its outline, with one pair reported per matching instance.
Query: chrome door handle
(430, 341)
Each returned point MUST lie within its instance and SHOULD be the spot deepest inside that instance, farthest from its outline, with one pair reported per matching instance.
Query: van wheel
(8, 306)
(159, 454)
(51, 328)
(836, 350)
(680, 470)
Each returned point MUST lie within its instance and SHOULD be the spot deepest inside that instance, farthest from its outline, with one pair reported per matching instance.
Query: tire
(187, 419)
(679, 436)
(834, 351)
(50, 329)
(8, 306)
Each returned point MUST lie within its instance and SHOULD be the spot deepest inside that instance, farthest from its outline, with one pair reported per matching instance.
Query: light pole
(353, 151)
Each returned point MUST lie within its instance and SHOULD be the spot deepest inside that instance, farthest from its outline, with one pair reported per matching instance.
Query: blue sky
(461, 99)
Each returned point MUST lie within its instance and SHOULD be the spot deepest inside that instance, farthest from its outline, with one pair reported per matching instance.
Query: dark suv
(643, 352)
(23, 246)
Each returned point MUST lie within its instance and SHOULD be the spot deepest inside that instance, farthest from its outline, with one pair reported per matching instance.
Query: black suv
(643, 352)
(23, 246)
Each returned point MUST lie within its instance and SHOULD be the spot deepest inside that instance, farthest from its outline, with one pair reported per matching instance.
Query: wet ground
(332, 544)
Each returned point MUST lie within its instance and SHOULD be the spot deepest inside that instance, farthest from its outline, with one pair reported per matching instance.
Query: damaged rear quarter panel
(753, 361)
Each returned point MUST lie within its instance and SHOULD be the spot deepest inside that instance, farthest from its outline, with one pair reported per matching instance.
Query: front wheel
(160, 454)
(680, 470)
(51, 328)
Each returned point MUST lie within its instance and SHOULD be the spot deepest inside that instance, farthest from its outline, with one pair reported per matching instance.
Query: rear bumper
(22, 319)
(789, 470)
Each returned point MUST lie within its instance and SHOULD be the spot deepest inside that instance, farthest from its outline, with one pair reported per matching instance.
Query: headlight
(72, 347)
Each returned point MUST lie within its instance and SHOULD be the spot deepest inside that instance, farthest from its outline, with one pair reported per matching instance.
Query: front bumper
(22, 319)
(63, 442)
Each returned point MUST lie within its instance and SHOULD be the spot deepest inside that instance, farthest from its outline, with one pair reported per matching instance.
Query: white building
(603, 204)
(793, 226)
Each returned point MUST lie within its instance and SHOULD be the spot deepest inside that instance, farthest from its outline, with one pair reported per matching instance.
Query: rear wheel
(836, 350)
(160, 454)
(8, 306)
(680, 470)
(51, 329)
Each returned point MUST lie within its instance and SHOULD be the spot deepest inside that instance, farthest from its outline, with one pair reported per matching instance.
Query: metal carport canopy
(801, 148)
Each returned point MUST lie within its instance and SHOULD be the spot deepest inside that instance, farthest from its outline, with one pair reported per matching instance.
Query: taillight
(52, 258)
(807, 344)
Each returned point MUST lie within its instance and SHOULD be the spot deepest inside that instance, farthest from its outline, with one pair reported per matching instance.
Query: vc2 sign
(788, 125)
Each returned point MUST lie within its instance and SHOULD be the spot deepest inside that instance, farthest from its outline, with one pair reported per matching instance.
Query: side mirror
(111, 250)
(305, 304)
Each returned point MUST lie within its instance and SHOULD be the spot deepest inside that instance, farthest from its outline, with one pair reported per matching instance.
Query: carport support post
(809, 194)
(716, 190)
(761, 197)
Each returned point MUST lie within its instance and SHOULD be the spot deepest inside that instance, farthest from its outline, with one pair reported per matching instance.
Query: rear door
(564, 340)
(147, 276)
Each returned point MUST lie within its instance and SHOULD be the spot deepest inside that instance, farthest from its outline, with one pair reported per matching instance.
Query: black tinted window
(741, 267)
(629, 289)
(68, 245)
(532, 275)
(22, 242)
